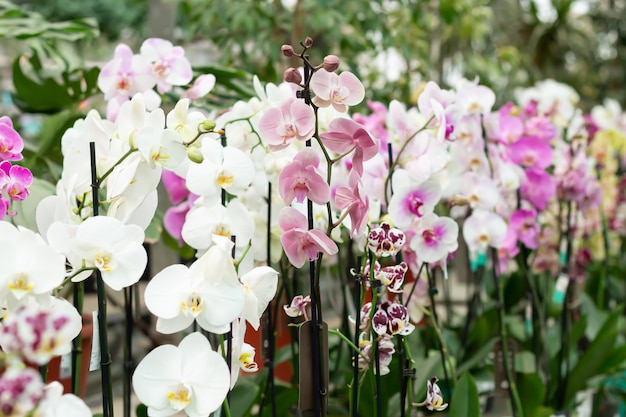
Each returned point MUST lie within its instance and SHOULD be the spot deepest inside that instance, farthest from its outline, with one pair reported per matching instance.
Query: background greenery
(507, 43)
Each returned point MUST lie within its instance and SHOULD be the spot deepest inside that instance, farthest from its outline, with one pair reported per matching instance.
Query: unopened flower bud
(287, 50)
(292, 75)
(331, 63)
(208, 125)
(194, 154)
(308, 42)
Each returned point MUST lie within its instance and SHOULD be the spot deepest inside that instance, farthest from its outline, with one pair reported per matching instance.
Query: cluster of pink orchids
(394, 185)
(14, 179)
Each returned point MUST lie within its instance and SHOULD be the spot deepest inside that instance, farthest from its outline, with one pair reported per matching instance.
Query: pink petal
(354, 86)
(291, 241)
(21, 175)
(322, 83)
(323, 242)
(303, 117)
(268, 128)
(289, 218)
(175, 186)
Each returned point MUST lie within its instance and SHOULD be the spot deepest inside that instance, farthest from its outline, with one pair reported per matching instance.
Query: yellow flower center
(222, 230)
(247, 363)
(103, 262)
(180, 397)
(224, 180)
(20, 283)
(194, 305)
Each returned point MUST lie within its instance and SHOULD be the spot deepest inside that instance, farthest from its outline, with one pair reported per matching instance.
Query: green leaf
(480, 355)
(525, 362)
(141, 411)
(532, 392)
(593, 358)
(465, 398)
(243, 397)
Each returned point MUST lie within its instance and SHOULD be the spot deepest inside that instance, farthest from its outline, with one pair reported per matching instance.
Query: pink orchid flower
(201, 87)
(4, 207)
(435, 238)
(538, 189)
(280, 126)
(298, 241)
(11, 143)
(340, 91)
(511, 128)
(531, 152)
(375, 122)
(524, 224)
(301, 179)
(169, 64)
(346, 134)
(126, 75)
(15, 180)
(409, 201)
(356, 202)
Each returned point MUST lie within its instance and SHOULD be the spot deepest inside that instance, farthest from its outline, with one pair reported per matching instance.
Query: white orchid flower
(191, 377)
(19, 275)
(259, 287)
(208, 292)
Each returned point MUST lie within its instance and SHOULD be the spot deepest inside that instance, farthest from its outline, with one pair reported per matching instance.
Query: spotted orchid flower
(391, 276)
(385, 354)
(385, 240)
(298, 306)
(434, 399)
(392, 318)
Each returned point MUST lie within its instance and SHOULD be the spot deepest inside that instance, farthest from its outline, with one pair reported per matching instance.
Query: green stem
(77, 343)
(348, 342)
(518, 411)
(110, 170)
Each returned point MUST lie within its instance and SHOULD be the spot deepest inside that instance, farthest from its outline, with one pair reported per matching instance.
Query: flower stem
(104, 176)
(105, 356)
(348, 342)
(516, 403)
(77, 343)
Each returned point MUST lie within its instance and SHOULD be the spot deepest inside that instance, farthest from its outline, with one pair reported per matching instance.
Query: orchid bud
(287, 50)
(308, 42)
(292, 75)
(194, 154)
(208, 125)
(331, 63)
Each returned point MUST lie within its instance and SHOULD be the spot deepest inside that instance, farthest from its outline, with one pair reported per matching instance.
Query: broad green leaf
(593, 358)
(465, 398)
(480, 355)
(531, 391)
(243, 397)
(525, 362)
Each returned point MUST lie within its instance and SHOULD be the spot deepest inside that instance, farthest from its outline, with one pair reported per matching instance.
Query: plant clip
(360, 278)
(409, 372)
(434, 291)
(304, 94)
(374, 283)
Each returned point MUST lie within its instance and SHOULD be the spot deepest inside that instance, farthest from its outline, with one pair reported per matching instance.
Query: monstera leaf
(39, 91)
(19, 24)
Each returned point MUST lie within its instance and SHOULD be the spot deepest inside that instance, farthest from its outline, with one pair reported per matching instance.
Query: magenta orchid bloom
(531, 152)
(175, 186)
(126, 75)
(280, 126)
(524, 223)
(346, 134)
(435, 238)
(298, 241)
(375, 122)
(169, 64)
(538, 189)
(511, 127)
(356, 202)
(340, 91)
(15, 180)
(11, 143)
(301, 179)
(4, 207)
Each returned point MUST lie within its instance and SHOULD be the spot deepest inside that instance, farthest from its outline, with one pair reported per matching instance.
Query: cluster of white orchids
(375, 183)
